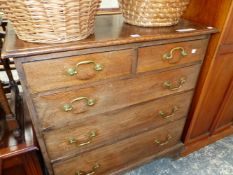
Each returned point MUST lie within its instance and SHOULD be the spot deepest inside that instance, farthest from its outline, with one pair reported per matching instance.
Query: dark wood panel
(228, 34)
(52, 74)
(19, 156)
(215, 73)
(3, 101)
(152, 58)
(225, 116)
(117, 125)
(111, 96)
(221, 75)
(11, 146)
(23, 164)
(206, 13)
(123, 153)
(17, 170)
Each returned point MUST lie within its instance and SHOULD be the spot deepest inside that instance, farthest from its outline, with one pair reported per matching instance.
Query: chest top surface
(109, 30)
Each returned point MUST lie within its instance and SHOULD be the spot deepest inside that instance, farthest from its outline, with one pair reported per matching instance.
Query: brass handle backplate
(162, 143)
(174, 85)
(91, 172)
(74, 71)
(90, 136)
(168, 115)
(170, 58)
(69, 106)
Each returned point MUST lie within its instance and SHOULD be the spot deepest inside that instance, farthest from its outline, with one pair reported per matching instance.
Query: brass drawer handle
(169, 56)
(168, 116)
(174, 85)
(91, 172)
(90, 136)
(69, 106)
(74, 71)
(162, 143)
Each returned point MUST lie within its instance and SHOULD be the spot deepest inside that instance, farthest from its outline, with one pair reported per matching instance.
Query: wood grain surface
(151, 58)
(228, 33)
(222, 73)
(109, 30)
(110, 96)
(123, 153)
(119, 94)
(207, 121)
(4, 101)
(225, 114)
(53, 74)
(114, 126)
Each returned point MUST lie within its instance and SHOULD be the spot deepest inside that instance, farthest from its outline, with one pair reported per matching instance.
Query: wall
(109, 4)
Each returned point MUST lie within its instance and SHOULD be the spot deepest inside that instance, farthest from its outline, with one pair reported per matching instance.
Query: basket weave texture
(52, 21)
(3, 7)
(150, 13)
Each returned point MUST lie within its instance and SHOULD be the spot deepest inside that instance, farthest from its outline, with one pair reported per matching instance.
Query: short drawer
(110, 127)
(117, 156)
(65, 72)
(62, 108)
(164, 56)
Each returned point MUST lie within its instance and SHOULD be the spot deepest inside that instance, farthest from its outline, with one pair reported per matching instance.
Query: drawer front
(109, 158)
(164, 56)
(109, 127)
(81, 103)
(51, 74)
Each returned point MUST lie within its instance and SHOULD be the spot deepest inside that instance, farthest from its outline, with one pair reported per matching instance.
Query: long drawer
(70, 71)
(60, 109)
(164, 56)
(110, 127)
(107, 159)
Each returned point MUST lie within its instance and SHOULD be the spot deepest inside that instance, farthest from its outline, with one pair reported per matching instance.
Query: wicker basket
(150, 13)
(52, 21)
(3, 8)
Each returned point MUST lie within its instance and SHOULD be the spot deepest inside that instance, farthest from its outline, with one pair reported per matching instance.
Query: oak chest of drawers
(113, 101)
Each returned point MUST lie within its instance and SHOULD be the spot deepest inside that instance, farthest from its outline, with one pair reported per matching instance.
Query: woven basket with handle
(149, 13)
(52, 21)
